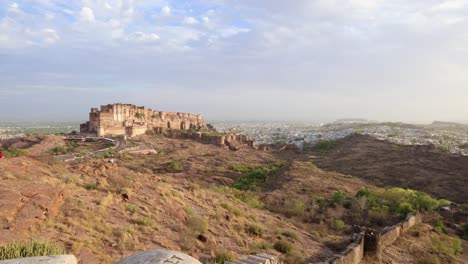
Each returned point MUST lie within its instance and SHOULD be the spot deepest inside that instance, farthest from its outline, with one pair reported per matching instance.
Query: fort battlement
(131, 120)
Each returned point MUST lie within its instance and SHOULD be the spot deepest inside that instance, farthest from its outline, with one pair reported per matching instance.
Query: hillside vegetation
(423, 168)
(206, 201)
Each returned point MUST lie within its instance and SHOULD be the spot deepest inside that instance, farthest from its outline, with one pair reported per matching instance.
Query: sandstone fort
(131, 120)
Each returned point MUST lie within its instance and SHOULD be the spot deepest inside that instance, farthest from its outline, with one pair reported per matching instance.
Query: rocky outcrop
(257, 259)
(61, 259)
(159, 257)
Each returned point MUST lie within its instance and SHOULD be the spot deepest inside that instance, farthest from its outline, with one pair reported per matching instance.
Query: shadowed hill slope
(382, 163)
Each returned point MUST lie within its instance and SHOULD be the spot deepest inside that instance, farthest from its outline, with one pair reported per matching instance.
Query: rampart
(131, 120)
(370, 242)
(233, 142)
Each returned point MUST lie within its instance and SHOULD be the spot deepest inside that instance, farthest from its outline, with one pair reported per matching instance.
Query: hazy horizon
(314, 61)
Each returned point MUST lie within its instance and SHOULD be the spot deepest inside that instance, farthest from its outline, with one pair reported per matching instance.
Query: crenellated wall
(370, 243)
(131, 120)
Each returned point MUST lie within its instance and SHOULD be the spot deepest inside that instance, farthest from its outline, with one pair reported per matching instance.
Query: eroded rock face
(61, 259)
(24, 204)
(159, 257)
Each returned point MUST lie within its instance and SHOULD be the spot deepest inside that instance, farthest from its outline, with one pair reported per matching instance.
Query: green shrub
(145, 221)
(246, 197)
(195, 222)
(283, 247)
(29, 249)
(232, 209)
(463, 232)
(132, 208)
(338, 197)
(405, 208)
(174, 166)
(254, 230)
(12, 153)
(452, 247)
(325, 146)
(339, 224)
(290, 234)
(457, 246)
(222, 257)
(254, 175)
(439, 227)
(91, 186)
(293, 207)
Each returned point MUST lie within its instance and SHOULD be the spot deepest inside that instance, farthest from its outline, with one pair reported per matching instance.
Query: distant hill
(443, 123)
(385, 164)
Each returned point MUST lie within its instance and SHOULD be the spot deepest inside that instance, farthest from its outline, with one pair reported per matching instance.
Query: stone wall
(233, 142)
(370, 243)
(354, 252)
(389, 234)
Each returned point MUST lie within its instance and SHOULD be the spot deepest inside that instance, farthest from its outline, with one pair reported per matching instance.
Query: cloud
(302, 56)
(14, 8)
(87, 14)
(144, 37)
(166, 10)
(190, 21)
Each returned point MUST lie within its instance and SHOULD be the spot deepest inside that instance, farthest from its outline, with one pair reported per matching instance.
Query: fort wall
(131, 120)
(370, 243)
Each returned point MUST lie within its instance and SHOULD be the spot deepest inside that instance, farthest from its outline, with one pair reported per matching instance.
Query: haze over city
(236, 60)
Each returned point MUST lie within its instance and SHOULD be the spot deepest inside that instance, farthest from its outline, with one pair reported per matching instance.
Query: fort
(131, 120)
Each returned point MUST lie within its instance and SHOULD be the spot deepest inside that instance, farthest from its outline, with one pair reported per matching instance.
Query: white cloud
(451, 5)
(87, 14)
(166, 10)
(14, 8)
(190, 21)
(49, 16)
(50, 35)
(232, 31)
(68, 11)
(144, 37)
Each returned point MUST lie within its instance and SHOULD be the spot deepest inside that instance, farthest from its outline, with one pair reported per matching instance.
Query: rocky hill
(423, 168)
(200, 199)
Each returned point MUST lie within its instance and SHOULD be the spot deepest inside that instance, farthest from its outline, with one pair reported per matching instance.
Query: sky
(299, 60)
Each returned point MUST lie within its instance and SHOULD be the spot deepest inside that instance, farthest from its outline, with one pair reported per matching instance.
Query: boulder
(159, 257)
(61, 259)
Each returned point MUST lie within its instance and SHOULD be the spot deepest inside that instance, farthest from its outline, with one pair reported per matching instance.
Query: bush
(174, 166)
(246, 197)
(289, 234)
(91, 186)
(222, 257)
(255, 230)
(338, 197)
(132, 208)
(283, 247)
(325, 146)
(254, 175)
(439, 227)
(232, 209)
(29, 249)
(196, 222)
(293, 207)
(339, 225)
(451, 247)
(143, 221)
(463, 232)
(12, 153)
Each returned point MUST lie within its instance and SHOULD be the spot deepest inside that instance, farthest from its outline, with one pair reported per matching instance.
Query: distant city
(452, 137)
